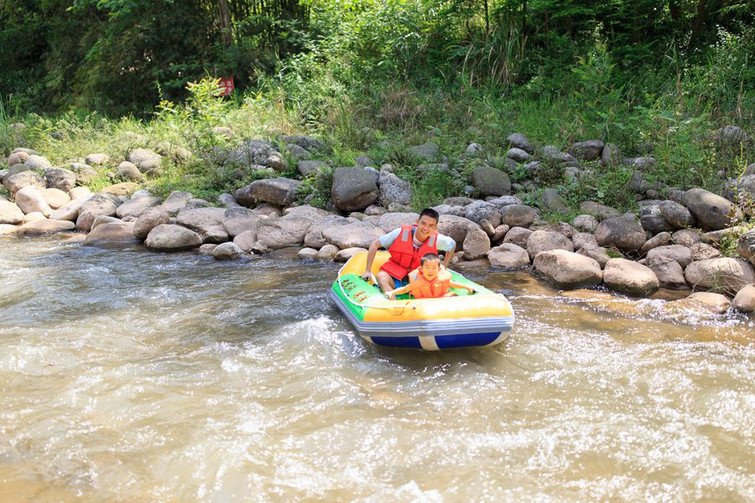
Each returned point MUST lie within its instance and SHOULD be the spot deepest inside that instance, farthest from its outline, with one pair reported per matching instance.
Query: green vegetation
(374, 77)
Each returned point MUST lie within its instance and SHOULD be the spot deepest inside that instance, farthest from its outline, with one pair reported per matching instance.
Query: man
(407, 245)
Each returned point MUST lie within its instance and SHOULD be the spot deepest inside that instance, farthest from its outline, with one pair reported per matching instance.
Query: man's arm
(370, 258)
(449, 256)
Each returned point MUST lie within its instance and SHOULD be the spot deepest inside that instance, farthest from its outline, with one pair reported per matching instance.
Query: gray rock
(55, 198)
(741, 190)
(568, 270)
(585, 223)
(129, 172)
(490, 181)
(631, 278)
(10, 213)
(18, 181)
(458, 201)
(277, 191)
(517, 215)
(176, 201)
(97, 159)
(587, 150)
(256, 152)
(98, 204)
(171, 238)
(518, 155)
(393, 189)
(540, 241)
(345, 255)
(551, 200)
(474, 149)
(307, 254)
(482, 211)
(239, 219)
(687, 237)
(597, 253)
(599, 211)
(353, 189)
(353, 234)
(731, 136)
(745, 299)
(624, 232)
(711, 211)
(456, 228)
(37, 162)
(207, 222)
(644, 163)
(518, 236)
(726, 275)
(508, 256)
(391, 221)
(150, 219)
(310, 168)
(746, 245)
(246, 240)
(582, 239)
(227, 251)
(315, 238)
(30, 200)
(669, 273)
(426, 151)
(139, 156)
(111, 233)
(309, 143)
(703, 251)
(327, 252)
(45, 227)
(520, 141)
(60, 178)
(678, 253)
(476, 244)
(70, 211)
(661, 239)
(135, 207)
(551, 154)
(289, 230)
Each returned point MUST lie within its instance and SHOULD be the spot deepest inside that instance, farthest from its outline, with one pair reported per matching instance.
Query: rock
(731, 136)
(518, 236)
(680, 254)
(669, 273)
(176, 201)
(597, 253)
(55, 198)
(315, 237)
(703, 251)
(307, 254)
(394, 190)
(585, 223)
(171, 237)
(135, 207)
(520, 141)
(517, 215)
(624, 232)
(238, 219)
(277, 191)
(138, 156)
(246, 240)
(353, 189)
(568, 270)
(310, 168)
(227, 251)
(17, 158)
(509, 256)
(309, 143)
(611, 155)
(476, 244)
(741, 190)
(44, 227)
(353, 234)
(111, 233)
(327, 252)
(727, 275)
(582, 239)
(30, 199)
(518, 155)
(746, 245)
(551, 154)
(345, 255)
(587, 150)
(745, 299)
(707, 302)
(98, 204)
(711, 211)
(599, 211)
(490, 181)
(498, 233)
(97, 159)
(456, 228)
(256, 152)
(34, 216)
(207, 222)
(540, 241)
(426, 151)
(60, 178)
(129, 172)
(630, 278)
(104, 219)
(661, 239)
(124, 189)
(70, 211)
(482, 211)
(37, 162)
(289, 230)
(150, 219)
(551, 200)
(687, 237)
(18, 181)
(10, 213)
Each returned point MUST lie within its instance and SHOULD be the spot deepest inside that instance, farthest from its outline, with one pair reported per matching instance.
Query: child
(429, 281)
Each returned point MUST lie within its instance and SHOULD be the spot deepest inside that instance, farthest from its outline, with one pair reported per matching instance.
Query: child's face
(430, 269)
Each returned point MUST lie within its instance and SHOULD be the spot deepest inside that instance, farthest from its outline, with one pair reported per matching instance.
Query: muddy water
(133, 376)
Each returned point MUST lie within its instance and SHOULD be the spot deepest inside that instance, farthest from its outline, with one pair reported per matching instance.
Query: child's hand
(391, 295)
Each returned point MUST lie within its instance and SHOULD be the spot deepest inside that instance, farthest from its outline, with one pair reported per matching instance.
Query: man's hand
(366, 276)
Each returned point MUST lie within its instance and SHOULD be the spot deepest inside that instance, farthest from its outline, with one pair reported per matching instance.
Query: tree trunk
(225, 22)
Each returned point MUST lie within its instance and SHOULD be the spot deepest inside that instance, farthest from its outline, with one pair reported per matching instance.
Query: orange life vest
(404, 256)
(421, 288)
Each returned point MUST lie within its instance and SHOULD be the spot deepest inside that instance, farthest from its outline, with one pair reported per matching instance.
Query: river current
(135, 376)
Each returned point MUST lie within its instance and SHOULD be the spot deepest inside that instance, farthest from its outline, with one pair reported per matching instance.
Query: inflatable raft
(466, 320)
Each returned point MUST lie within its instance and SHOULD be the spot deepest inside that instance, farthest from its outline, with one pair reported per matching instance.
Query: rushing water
(133, 376)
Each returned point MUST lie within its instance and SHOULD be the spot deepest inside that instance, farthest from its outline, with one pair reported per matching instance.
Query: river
(137, 376)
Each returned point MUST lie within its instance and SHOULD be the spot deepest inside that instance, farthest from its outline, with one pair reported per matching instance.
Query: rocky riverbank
(676, 241)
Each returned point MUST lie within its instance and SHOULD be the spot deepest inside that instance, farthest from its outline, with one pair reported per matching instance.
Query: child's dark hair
(429, 212)
(429, 257)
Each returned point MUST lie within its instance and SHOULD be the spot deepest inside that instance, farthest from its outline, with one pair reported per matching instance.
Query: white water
(133, 376)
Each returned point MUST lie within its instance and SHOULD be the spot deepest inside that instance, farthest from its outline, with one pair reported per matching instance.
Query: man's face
(426, 226)
(430, 269)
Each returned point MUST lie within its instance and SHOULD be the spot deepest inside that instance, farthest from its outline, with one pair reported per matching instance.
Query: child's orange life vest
(422, 288)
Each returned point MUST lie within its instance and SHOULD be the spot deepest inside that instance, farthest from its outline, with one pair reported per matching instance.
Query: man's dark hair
(429, 212)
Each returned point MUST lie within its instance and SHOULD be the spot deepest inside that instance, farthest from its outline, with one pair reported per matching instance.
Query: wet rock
(630, 278)
(45, 227)
(112, 233)
(745, 299)
(540, 241)
(172, 237)
(227, 251)
(567, 269)
(712, 212)
(720, 274)
(700, 302)
(307, 254)
(508, 256)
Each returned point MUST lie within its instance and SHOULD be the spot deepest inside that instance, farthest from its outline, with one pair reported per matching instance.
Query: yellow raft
(466, 320)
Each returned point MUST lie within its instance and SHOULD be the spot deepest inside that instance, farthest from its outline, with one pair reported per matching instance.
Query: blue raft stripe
(398, 342)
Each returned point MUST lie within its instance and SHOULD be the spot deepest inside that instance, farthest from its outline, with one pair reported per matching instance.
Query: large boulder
(726, 275)
(745, 299)
(282, 232)
(568, 270)
(390, 221)
(256, 153)
(623, 232)
(112, 233)
(315, 237)
(540, 241)
(665, 216)
(456, 228)
(587, 150)
(45, 227)
(99, 204)
(353, 189)
(60, 178)
(238, 219)
(518, 236)
(70, 211)
(10, 213)
(700, 302)
(134, 207)
(37, 162)
(394, 190)
(508, 256)
(353, 234)
(476, 244)
(55, 198)
(490, 181)
(18, 181)
(30, 200)
(207, 222)
(150, 219)
(631, 278)
(746, 245)
(669, 273)
(172, 237)
(712, 212)
(483, 211)
(678, 253)
(277, 191)
(599, 211)
(517, 215)
(176, 201)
